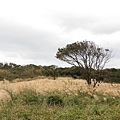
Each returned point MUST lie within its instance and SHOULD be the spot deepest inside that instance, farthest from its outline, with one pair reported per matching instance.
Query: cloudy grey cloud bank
(34, 33)
(95, 25)
(26, 43)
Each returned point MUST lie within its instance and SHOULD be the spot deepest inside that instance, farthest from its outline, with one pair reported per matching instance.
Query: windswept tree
(86, 55)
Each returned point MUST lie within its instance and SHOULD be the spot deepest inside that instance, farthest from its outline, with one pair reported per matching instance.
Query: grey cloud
(71, 22)
(40, 46)
(24, 35)
(27, 43)
(106, 27)
(88, 23)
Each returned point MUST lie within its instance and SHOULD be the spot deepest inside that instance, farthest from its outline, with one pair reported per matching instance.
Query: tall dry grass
(61, 84)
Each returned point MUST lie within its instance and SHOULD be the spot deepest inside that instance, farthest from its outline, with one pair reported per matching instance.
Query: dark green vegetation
(86, 55)
(29, 105)
(12, 71)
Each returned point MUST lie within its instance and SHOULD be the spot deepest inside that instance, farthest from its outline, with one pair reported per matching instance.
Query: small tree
(86, 55)
(54, 70)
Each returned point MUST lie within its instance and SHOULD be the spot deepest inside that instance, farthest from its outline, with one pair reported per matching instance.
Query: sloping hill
(61, 84)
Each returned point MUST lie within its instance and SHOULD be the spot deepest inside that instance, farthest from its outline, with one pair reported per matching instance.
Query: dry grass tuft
(4, 96)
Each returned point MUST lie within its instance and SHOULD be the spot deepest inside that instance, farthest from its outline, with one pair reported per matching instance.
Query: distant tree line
(11, 71)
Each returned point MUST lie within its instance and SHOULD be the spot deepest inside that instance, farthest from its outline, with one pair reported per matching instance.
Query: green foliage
(4, 74)
(112, 75)
(12, 71)
(30, 97)
(64, 72)
(79, 106)
(53, 100)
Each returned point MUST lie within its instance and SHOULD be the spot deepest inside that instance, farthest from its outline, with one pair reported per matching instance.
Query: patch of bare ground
(60, 84)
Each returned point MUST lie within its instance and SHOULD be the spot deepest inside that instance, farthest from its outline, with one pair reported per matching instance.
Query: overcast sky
(31, 31)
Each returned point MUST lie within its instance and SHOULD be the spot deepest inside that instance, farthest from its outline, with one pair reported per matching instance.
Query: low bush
(54, 100)
(31, 97)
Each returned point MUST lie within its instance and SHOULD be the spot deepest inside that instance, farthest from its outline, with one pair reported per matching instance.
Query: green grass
(29, 105)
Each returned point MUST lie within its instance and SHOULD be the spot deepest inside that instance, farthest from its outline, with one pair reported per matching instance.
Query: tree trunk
(89, 81)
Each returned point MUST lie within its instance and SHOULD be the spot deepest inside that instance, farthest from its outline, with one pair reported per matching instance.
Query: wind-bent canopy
(84, 54)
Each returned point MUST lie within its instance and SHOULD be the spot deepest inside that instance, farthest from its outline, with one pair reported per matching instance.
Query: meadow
(60, 99)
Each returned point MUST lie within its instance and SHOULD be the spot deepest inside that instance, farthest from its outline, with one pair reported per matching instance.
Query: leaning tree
(85, 54)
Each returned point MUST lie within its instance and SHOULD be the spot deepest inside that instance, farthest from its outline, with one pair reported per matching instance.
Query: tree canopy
(85, 54)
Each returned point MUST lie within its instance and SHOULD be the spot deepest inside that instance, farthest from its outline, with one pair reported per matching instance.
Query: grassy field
(61, 84)
(61, 99)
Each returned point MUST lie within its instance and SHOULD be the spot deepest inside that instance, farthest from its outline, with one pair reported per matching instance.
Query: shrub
(31, 97)
(54, 100)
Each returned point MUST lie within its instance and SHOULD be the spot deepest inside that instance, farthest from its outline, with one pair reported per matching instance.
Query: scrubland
(60, 99)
